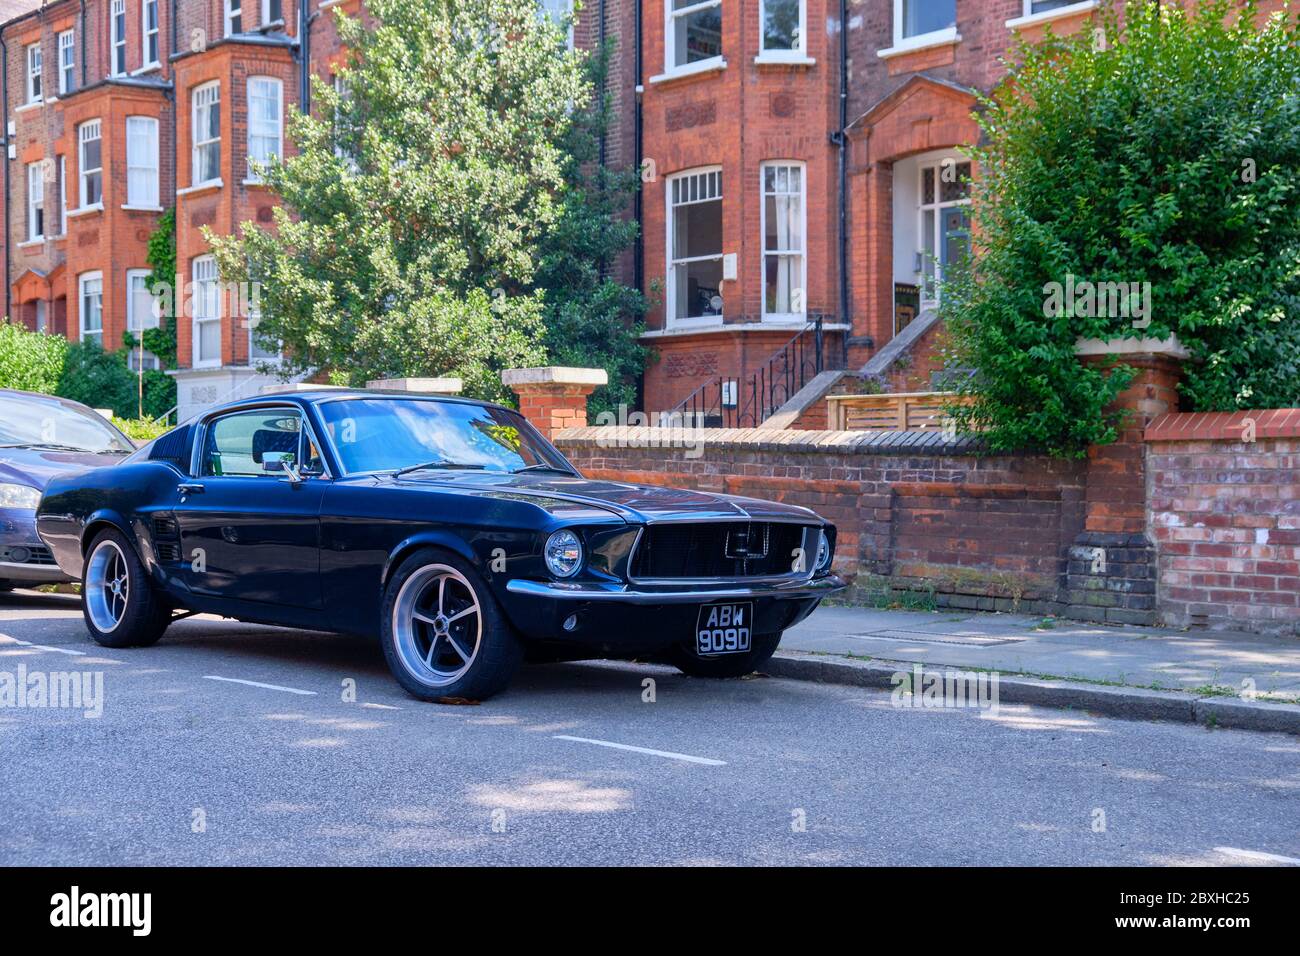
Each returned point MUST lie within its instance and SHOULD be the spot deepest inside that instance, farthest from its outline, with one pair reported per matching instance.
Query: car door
(250, 526)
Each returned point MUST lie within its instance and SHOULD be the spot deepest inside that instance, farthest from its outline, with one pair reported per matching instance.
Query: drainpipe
(4, 93)
(305, 21)
(841, 139)
(638, 253)
(83, 39)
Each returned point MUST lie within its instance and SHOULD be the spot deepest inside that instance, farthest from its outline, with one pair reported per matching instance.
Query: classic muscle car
(449, 529)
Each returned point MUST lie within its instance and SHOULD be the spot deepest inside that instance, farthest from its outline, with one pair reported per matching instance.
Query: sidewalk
(1218, 677)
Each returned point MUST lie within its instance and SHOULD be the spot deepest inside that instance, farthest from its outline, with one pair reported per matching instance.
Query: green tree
(1164, 155)
(30, 361)
(424, 198)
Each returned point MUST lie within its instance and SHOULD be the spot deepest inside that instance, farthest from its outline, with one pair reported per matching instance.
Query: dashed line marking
(707, 761)
(47, 647)
(253, 683)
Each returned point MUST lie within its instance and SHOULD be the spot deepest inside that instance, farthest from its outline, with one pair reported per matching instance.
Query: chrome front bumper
(627, 594)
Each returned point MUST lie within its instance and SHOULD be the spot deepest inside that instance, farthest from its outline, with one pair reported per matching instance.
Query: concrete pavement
(1238, 679)
(234, 744)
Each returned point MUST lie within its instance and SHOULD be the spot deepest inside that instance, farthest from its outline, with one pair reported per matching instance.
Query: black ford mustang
(449, 529)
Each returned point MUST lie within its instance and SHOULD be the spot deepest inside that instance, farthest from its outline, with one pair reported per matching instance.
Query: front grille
(36, 554)
(730, 549)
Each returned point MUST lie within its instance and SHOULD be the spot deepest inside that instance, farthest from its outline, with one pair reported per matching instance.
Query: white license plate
(723, 629)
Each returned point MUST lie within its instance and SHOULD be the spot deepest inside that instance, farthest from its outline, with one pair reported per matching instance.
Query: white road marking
(707, 761)
(47, 647)
(381, 706)
(1257, 855)
(253, 683)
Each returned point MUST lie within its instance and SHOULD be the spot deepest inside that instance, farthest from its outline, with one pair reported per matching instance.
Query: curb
(1126, 703)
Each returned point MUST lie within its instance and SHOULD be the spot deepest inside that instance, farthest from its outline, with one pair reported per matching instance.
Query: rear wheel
(686, 660)
(443, 634)
(117, 599)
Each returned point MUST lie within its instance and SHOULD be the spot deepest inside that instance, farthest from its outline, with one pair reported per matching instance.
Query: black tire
(495, 652)
(144, 617)
(6, 586)
(725, 666)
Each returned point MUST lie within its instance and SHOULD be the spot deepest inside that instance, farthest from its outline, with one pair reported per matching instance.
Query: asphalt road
(188, 766)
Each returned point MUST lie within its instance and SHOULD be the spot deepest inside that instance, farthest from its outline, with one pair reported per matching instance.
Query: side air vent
(168, 550)
(164, 527)
(172, 446)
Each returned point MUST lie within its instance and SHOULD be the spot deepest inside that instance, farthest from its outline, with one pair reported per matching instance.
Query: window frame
(35, 70)
(68, 70)
(267, 19)
(250, 175)
(146, 34)
(920, 40)
(135, 326)
(198, 316)
(117, 38)
(36, 204)
(764, 252)
(670, 15)
(152, 202)
(670, 278)
(200, 462)
(82, 331)
(197, 145)
(928, 301)
(61, 171)
(1028, 16)
(230, 10)
(83, 172)
(797, 52)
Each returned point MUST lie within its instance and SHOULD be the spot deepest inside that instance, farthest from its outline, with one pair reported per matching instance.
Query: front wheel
(117, 600)
(723, 666)
(443, 634)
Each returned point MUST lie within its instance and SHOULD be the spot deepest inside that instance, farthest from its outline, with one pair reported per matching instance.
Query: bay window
(265, 122)
(695, 245)
(784, 258)
(90, 163)
(140, 315)
(206, 134)
(142, 161)
(206, 312)
(91, 296)
(693, 32)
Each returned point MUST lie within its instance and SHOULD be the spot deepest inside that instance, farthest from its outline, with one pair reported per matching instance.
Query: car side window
(252, 444)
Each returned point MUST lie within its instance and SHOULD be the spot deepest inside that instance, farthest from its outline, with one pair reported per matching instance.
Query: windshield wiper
(542, 467)
(437, 463)
(51, 445)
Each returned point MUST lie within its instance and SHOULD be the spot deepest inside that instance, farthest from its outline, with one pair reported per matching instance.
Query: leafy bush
(30, 361)
(1165, 155)
(140, 429)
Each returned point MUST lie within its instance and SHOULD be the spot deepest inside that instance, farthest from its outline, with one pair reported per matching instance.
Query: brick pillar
(554, 398)
(1111, 575)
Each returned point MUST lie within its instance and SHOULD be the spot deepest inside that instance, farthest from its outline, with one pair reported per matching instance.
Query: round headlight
(563, 554)
(823, 551)
(19, 496)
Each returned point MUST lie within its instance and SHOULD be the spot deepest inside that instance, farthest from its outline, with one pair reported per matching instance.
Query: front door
(248, 531)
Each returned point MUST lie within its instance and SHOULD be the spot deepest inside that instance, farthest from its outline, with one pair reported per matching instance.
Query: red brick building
(117, 110)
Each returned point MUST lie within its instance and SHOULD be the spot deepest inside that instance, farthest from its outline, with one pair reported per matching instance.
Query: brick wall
(980, 532)
(1225, 517)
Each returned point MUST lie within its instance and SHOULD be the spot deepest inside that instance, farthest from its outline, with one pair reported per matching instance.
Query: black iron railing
(746, 401)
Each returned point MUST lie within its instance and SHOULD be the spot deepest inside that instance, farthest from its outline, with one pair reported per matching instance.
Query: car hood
(636, 503)
(37, 466)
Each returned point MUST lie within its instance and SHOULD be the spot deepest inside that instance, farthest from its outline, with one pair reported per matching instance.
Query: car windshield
(27, 423)
(391, 434)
